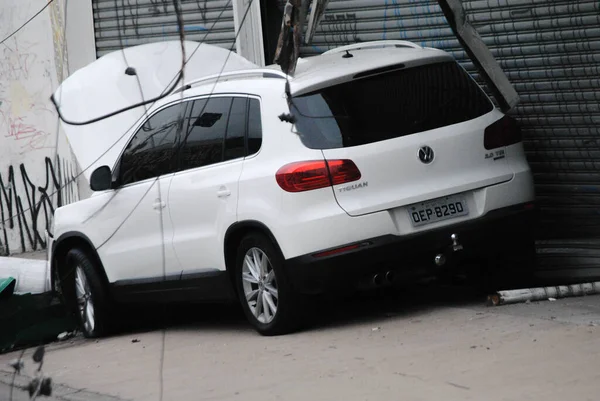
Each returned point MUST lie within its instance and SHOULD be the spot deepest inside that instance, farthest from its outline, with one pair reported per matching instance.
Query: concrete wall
(36, 163)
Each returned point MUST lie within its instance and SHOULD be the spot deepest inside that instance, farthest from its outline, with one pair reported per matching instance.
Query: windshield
(390, 105)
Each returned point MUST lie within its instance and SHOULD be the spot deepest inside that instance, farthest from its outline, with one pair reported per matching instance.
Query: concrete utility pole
(288, 46)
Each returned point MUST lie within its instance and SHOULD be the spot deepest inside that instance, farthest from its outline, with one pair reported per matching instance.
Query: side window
(236, 129)
(202, 142)
(150, 152)
(254, 127)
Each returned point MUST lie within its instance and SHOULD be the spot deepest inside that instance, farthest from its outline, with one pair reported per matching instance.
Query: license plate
(436, 210)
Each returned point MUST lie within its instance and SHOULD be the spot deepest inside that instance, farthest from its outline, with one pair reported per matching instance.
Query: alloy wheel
(260, 285)
(84, 300)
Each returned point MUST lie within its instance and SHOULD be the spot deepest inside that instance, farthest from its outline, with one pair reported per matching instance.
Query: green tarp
(7, 287)
(27, 320)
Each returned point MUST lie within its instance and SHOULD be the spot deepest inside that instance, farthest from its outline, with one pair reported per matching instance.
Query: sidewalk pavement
(59, 392)
(421, 345)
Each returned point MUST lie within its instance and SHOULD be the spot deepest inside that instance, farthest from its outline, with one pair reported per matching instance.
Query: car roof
(337, 66)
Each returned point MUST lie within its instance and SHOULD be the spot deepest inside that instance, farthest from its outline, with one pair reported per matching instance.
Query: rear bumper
(353, 265)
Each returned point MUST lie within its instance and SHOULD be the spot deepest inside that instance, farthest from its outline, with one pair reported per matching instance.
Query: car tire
(267, 298)
(89, 294)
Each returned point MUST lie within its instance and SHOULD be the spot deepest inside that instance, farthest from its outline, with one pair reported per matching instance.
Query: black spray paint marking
(28, 208)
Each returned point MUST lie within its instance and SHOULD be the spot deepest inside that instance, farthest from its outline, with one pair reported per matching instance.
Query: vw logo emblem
(426, 154)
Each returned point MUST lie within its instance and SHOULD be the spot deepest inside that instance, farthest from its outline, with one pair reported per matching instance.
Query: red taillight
(503, 132)
(309, 175)
(343, 171)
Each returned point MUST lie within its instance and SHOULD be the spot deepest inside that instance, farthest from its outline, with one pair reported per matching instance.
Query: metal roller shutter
(551, 52)
(145, 21)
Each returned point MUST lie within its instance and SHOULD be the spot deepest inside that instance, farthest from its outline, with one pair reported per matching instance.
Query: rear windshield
(389, 105)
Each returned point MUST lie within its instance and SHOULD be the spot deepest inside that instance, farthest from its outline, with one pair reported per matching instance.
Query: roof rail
(239, 74)
(373, 44)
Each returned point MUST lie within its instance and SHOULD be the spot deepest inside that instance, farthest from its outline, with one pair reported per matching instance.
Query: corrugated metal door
(145, 21)
(551, 52)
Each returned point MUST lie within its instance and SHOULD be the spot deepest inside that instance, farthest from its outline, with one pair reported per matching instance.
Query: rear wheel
(90, 296)
(267, 299)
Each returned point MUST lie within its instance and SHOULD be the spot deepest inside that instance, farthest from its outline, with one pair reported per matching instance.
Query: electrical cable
(143, 103)
(114, 113)
(137, 77)
(200, 113)
(26, 22)
(177, 77)
(162, 228)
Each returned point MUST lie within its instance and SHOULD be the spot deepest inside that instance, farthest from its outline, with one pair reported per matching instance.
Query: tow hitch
(442, 258)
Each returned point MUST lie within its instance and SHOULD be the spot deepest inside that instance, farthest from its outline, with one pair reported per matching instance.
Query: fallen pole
(543, 293)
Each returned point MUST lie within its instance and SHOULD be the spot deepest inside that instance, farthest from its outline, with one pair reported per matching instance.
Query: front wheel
(267, 298)
(91, 299)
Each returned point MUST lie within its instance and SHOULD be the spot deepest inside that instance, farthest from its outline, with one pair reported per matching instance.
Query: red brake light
(503, 132)
(316, 174)
(343, 171)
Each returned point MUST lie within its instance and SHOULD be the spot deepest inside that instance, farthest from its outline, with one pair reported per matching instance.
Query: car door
(203, 196)
(143, 174)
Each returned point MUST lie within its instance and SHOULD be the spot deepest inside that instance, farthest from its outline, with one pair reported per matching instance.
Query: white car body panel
(202, 204)
(136, 247)
(123, 226)
(396, 177)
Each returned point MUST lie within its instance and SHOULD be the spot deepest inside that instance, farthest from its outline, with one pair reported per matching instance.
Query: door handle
(223, 192)
(158, 204)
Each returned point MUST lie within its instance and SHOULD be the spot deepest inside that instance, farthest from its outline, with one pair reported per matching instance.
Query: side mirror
(101, 179)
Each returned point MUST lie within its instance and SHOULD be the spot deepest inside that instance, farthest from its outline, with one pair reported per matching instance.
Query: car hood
(103, 87)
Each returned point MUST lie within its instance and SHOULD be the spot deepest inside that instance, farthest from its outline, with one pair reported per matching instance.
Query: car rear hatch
(416, 134)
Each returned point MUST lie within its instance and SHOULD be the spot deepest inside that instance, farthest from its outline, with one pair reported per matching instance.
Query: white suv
(374, 163)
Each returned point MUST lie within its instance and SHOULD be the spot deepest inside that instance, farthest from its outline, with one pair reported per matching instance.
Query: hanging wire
(26, 22)
(137, 77)
(179, 77)
(176, 79)
(181, 30)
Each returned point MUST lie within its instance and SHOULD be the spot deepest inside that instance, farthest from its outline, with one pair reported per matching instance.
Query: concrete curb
(59, 391)
(32, 275)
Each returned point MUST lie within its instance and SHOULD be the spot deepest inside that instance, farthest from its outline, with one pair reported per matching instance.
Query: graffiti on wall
(27, 205)
(21, 108)
(34, 179)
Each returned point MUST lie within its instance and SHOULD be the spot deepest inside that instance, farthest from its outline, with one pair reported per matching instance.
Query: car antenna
(130, 71)
(347, 55)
